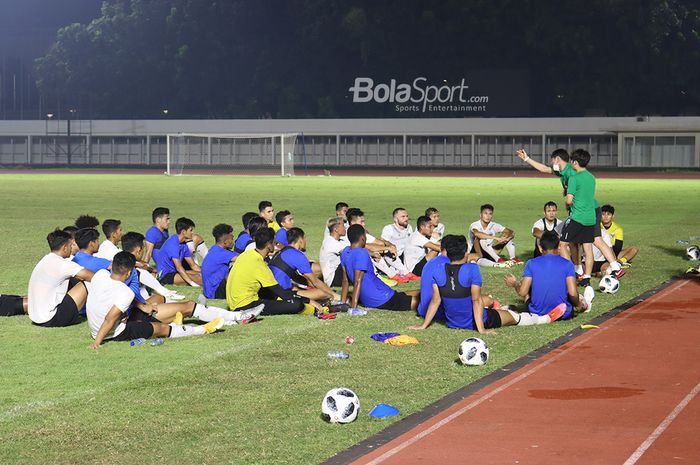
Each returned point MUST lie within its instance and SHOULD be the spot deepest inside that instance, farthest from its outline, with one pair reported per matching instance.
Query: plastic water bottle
(338, 354)
(159, 341)
(356, 311)
(137, 342)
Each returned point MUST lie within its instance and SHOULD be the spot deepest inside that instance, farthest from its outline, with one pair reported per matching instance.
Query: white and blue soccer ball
(340, 405)
(473, 351)
(609, 284)
(693, 252)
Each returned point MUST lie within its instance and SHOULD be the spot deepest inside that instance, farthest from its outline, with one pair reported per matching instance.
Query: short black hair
(353, 213)
(549, 240)
(86, 235)
(245, 219)
(486, 206)
(607, 208)
(421, 221)
(263, 205)
(57, 239)
(340, 205)
(582, 157)
(455, 246)
(430, 210)
(220, 230)
(86, 221)
(263, 236)
(561, 153)
(255, 224)
(396, 210)
(123, 262)
(550, 204)
(183, 224)
(158, 212)
(281, 215)
(109, 226)
(131, 241)
(355, 232)
(70, 229)
(294, 234)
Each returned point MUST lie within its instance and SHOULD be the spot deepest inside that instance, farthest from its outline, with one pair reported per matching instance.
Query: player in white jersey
(112, 230)
(110, 300)
(341, 208)
(420, 248)
(52, 301)
(329, 256)
(488, 238)
(397, 234)
(439, 228)
(549, 222)
(384, 254)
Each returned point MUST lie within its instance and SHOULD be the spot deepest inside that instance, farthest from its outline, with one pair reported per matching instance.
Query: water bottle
(340, 355)
(356, 311)
(137, 342)
(159, 341)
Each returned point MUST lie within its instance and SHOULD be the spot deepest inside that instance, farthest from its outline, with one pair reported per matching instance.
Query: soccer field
(251, 394)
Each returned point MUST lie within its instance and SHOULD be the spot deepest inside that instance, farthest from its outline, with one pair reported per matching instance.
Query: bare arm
(435, 301)
(537, 233)
(148, 251)
(478, 309)
(480, 235)
(432, 246)
(181, 271)
(111, 319)
(357, 285)
(522, 288)
(193, 264)
(522, 154)
(572, 290)
(85, 274)
(569, 199)
(319, 284)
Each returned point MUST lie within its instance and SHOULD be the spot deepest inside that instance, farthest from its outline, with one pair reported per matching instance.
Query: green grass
(252, 394)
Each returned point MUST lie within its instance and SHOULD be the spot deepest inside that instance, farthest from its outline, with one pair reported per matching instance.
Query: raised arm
(522, 154)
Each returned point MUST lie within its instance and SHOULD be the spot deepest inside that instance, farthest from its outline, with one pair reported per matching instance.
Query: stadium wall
(641, 142)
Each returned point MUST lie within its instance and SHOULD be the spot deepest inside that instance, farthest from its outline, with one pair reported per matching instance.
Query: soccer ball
(609, 284)
(340, 405)
(693, 252)
(473, 351)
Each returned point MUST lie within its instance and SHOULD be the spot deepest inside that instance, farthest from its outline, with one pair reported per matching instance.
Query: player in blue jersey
(174, 252)
(244, 238)
(291, 263)
(158, 234)
(426, 285)
(368, 289)
(285, 219)
(549, 282)
(457, 286)
(217, 264)
(88, 242)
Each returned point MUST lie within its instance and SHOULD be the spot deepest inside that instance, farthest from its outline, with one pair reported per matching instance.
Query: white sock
(485, 262)
(487, 249)
(202, 250)
(529, 319)
(510, 247)
(398, 264)
(579, 269)
(190, 247)
(204, 313)
(185, 330)
(615, 266)
(385, 268)
(147, 279)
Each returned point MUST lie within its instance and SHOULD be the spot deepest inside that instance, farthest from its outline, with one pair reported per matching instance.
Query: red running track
(621, 394)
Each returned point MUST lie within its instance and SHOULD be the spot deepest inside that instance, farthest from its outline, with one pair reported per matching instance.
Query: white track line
(609, 323)
(662, 427)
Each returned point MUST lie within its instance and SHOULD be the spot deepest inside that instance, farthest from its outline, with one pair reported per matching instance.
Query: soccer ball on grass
(693, 252)
(473, 351)
(609, 284)
(340, 405)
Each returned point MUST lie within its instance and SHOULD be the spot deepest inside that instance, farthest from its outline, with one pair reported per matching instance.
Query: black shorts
(137, 315)
(418, 269)
(597, 266)
(221, 291)
(11, 305)
(168, 278)
(577, 233)
(135, 330)
(493, 318)
(399, 301)
(337, 277)
(66, 314)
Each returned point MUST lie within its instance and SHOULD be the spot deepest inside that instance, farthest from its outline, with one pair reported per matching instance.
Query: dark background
(298, 58)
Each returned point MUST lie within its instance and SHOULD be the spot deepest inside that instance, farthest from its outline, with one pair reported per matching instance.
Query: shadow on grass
(675, 251)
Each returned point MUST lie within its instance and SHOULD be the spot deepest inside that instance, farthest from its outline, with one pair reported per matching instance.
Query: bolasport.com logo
(419, 96)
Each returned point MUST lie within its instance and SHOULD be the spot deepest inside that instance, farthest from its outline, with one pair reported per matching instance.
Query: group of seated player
(265, 271)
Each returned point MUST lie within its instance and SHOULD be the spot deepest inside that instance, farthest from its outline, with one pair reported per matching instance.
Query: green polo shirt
(582, 187)
(565, 175)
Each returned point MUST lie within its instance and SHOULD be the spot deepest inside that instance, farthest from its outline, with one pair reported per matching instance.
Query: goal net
(227, 153)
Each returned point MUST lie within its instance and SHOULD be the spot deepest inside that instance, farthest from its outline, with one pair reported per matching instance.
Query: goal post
(194, 153)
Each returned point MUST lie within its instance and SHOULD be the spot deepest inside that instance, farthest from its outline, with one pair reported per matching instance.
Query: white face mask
(555, 167)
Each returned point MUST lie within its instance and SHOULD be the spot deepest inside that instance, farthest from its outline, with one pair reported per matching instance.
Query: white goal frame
(286, 158)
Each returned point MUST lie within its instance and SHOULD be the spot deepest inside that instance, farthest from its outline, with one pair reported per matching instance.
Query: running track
(622, 394)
